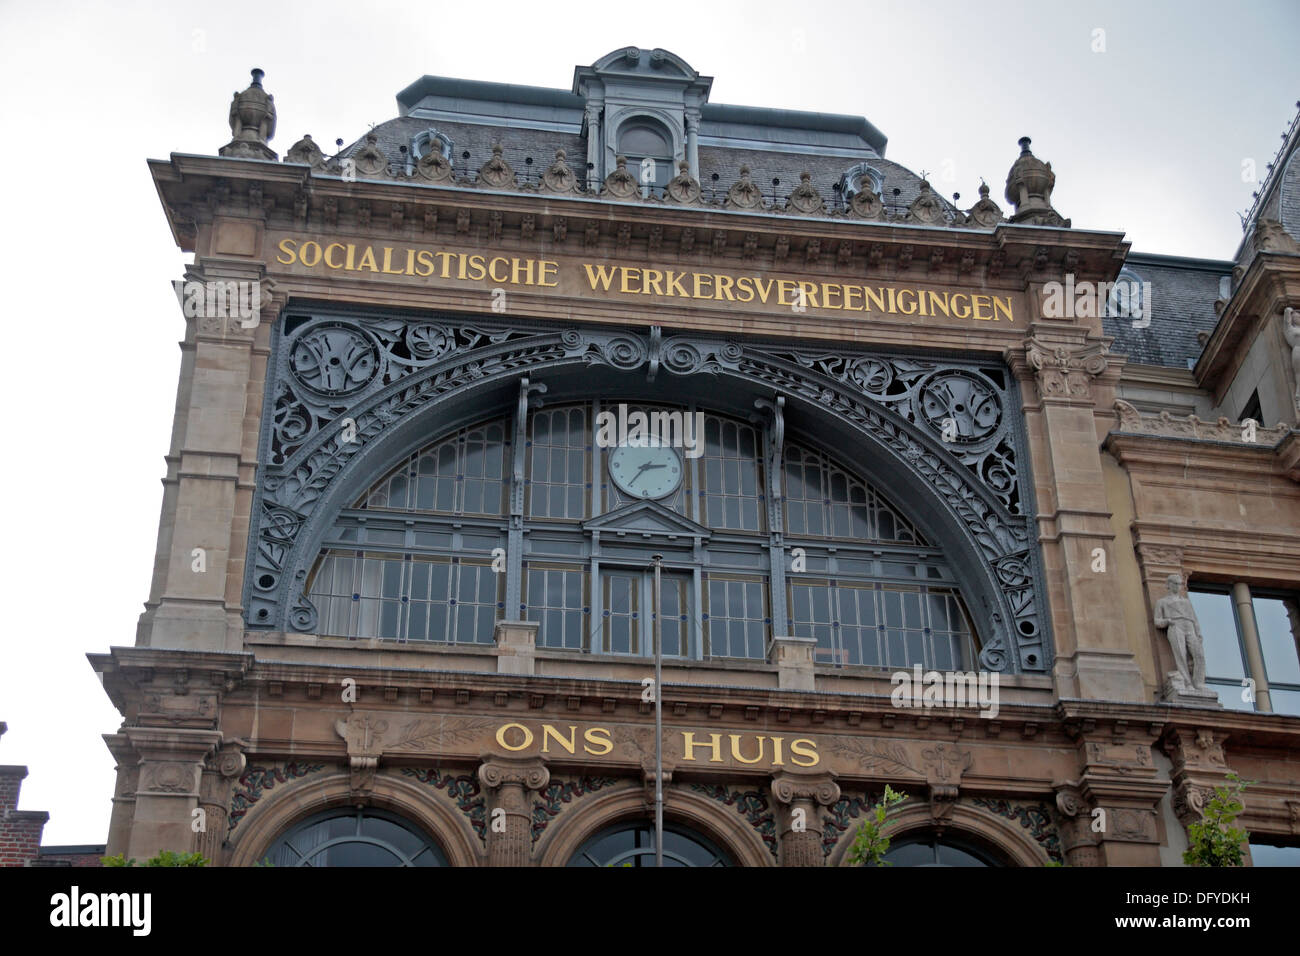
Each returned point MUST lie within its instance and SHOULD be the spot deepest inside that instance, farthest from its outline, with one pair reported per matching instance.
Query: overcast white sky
(1148, 137)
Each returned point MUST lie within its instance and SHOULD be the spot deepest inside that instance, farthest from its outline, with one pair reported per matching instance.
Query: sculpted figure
(1175, 613)
(1291, 331)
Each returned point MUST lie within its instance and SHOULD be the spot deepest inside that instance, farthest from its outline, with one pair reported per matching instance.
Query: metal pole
(659, 723)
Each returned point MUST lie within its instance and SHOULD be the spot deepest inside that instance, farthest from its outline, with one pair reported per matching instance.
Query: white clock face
(645, 471)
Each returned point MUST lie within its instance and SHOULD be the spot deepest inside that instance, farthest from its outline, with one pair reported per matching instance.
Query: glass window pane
(1223, 656)
(1278, 621)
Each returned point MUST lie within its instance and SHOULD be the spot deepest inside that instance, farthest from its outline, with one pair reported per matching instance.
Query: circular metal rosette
(873, 376)
(961, 406)
(334, 359)
(428, 343)
(625, 353)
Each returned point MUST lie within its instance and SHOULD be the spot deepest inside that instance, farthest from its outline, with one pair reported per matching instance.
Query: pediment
(646, 519)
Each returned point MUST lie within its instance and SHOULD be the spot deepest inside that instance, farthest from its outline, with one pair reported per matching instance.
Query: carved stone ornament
(866, 204)
(1270, 236)
(1291, 333)
(926, 209)
(683, 189)
(985, 214)
(1065, 372)
(1164, 425)
(306, 151)
(744, 193)
(620, 184)
(1175, 615)
(1029, 190)
(496, 172)
(433, 167)
(252, 122)
(788, 787)
(805, 199)
(369, 159)
(559, 177)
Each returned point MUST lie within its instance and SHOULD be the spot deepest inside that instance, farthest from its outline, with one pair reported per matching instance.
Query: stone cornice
(1271, 283)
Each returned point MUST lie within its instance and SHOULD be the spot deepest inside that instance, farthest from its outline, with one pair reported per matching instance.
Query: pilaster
(507, 782)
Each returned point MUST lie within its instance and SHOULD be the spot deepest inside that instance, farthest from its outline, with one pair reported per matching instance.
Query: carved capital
(1065, 372)
(497, 772)
(790, 788)
(1078, 838)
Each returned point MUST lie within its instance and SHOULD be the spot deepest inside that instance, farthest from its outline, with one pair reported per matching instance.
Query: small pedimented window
(649, 151)
(1128, 296)
(861, 176)
(431, 141)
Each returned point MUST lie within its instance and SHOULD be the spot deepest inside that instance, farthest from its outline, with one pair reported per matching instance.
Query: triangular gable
(646, 517)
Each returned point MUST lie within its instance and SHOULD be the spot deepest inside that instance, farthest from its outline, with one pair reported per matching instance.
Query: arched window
(930, 850)
(355, 837)
(421, 555)
(640, 140)
(633, 844)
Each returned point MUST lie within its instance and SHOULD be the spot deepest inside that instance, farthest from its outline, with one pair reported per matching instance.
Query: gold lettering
(906, 311)
(745, 285)
(892, 303)
(328, 261)
(388, 262)
(423, 257)
(777, 760)
(877, 296)
(446, 263)
(627, 272)
(546, 270)
(829, 289)
(975, 301)
(590, 736)
(675, 286)
(352, 251)
(653, 278)
(764, 290)
(1000, 306)
(849, 292)
(492, 269)
(698, 293)
(782, 285)
(478, 267)
(368, 257)
(284, 248)
(315, 253)
(501, 737)
(809, 290)
(724, 284)
(688, 741)
(528, 271)
(937, 303)
(735, 749)
(410, 262)
(965, 309)
(548, 732)
(460, 268)
(920, 302)
(603, 274)
(812, 754)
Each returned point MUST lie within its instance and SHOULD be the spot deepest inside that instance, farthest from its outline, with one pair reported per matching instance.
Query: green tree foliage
(164, 858)
(1214, 840)
(870, 845)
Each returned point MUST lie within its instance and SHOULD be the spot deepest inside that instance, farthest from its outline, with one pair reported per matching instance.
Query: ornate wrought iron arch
(348, 393)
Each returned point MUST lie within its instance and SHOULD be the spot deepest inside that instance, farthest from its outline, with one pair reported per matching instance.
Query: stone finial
(865, 202)
(1029, 190)
(496, 173)
(744, 194)
(926, 209)
(559, 177)
(683, 189)
(252, 122)
(621, 184)
(370, 160)
(985, 214)
(306, 151)
(805, 199)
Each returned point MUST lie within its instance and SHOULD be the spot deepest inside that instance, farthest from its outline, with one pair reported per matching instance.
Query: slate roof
(1183, 292)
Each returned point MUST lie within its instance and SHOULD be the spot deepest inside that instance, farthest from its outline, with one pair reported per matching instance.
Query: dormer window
(649, 151)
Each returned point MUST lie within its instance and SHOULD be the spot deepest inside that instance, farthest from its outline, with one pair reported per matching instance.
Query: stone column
(219, 776)
(798, 796)
(1072, 377)
(1078, 839)
(128, 781)
(507, 781)
(693, 141)
(171, 762)
(516, 646)
(1120, 779)
(1254, 652)
(595, 147)
(196, 593)
(793, 657)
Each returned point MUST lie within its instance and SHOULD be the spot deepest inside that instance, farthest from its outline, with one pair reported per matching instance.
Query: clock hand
(633, 479)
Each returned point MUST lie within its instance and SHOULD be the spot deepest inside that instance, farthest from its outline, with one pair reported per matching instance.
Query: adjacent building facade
(472, 410)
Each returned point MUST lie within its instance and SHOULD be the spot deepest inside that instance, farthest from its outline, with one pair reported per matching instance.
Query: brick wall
(20, 830)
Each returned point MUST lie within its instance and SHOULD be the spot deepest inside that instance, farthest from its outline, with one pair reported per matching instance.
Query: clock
(645, 470)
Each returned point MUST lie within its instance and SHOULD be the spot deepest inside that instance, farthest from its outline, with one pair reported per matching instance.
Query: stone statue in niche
(1291, 332)
(1175, 615)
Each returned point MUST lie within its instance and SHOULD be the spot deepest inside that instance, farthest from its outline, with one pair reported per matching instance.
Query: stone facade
(400, 292)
